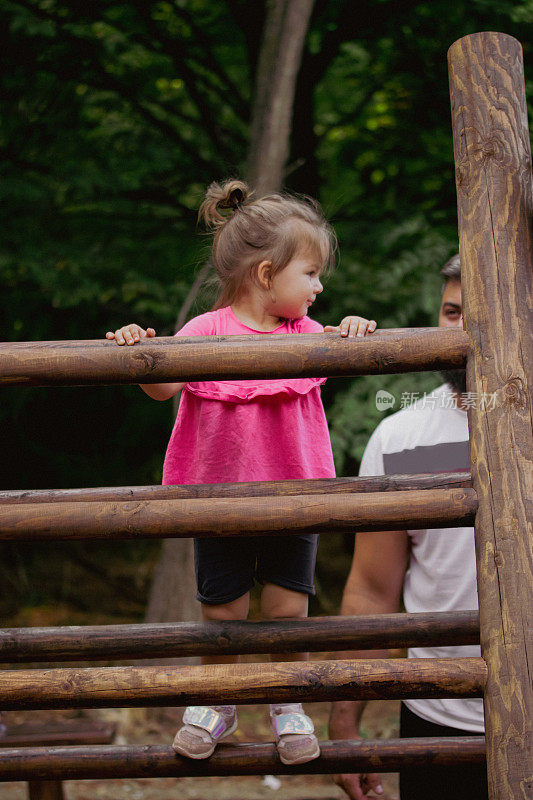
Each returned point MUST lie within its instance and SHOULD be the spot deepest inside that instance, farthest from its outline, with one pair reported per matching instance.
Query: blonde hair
(274, 228)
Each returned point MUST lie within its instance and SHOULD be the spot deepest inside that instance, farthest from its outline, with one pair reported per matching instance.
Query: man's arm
(374, 586)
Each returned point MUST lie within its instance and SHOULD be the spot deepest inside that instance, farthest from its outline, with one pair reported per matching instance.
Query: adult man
(434, 570)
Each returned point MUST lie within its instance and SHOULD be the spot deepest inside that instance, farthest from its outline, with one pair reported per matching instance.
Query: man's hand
(357, 787)
(343, 723)
(353, 326)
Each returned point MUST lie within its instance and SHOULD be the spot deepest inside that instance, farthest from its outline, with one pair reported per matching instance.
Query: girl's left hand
(353, 326)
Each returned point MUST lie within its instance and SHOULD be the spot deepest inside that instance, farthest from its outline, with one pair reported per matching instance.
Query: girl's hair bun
(221, 199)
(246, 231)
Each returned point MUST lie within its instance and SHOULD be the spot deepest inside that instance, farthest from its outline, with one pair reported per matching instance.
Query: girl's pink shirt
(248, 430)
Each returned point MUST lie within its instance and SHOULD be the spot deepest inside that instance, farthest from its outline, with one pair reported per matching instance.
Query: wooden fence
(493, 171)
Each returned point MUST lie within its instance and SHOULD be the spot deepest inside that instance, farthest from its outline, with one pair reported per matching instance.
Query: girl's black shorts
(227, 566)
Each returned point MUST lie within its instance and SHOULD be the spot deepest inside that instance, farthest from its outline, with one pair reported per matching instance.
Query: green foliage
(115, 117)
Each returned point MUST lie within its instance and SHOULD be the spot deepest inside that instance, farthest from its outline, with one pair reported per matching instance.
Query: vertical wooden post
(495, 206)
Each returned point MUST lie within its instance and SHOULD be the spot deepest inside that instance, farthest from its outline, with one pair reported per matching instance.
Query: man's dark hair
(456, 378)
(452, 268)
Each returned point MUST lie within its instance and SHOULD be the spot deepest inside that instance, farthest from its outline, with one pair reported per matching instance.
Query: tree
(279, 61)
(115, 117)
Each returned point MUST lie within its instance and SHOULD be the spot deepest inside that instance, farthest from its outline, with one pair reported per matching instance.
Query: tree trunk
(279, 61)
(172, 597)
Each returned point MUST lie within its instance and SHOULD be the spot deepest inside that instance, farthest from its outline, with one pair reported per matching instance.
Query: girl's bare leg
(236, 609)
(280, 603)
(203, 727)
(293, 730)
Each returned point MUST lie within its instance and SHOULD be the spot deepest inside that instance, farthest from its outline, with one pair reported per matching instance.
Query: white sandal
(294, 732)
(203, 728)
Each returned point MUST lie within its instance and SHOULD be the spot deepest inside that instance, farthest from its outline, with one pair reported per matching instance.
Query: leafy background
(115, 117)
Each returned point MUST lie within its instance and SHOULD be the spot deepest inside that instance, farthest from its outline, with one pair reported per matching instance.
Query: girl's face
(293, 290)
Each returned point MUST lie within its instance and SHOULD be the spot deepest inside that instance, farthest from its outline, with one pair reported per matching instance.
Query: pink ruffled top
(248, 430)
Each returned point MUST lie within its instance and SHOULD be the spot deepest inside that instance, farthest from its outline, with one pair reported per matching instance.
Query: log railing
(159, 761)
(242, 516)
(100, 362)
(492, 154)
(493, 170)
(118, 494)
(166, 640)
(370, 679)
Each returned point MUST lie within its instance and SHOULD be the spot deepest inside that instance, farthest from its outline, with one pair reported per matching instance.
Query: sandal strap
(292, 723)
(205, 718)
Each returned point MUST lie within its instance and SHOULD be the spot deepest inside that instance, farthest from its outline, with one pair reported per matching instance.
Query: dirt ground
(156, 726)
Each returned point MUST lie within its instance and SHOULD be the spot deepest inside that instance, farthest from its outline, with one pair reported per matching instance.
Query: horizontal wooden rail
(165, 640)
(160, 761)
(92, 362)
(431, 508)
(117, 494)
(73, 731)
(369, 679)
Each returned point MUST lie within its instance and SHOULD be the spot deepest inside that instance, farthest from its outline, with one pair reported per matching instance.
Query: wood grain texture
(431, 508)
(101, 362)
(371, 679)
(166, 640)
(495, 205)
(150, 761)
(53, 734)
(116, 494)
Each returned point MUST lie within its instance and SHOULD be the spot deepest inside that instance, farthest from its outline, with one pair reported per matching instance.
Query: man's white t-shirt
(432, 436)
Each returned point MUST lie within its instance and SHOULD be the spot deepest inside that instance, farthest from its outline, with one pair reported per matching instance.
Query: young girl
(269, 256)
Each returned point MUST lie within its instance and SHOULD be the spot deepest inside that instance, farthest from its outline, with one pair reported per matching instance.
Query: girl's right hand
(130, 334)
